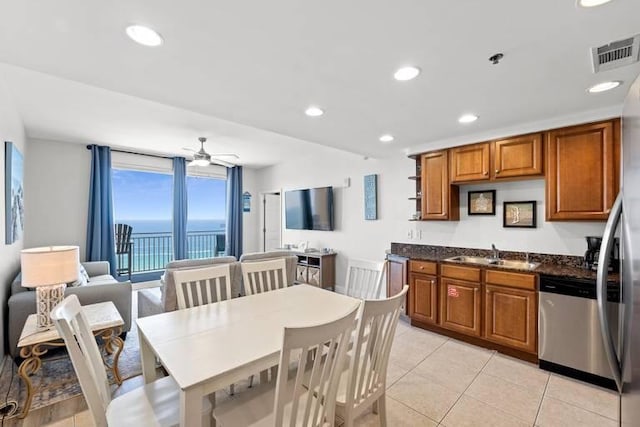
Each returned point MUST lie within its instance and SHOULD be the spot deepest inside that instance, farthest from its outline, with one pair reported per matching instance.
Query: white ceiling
(259, 64)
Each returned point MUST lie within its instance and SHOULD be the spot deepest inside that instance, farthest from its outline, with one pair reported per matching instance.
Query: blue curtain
(180, 250)
(100, 232)
(234, 211)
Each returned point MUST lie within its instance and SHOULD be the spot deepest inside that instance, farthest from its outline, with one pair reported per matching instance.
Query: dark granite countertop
(552, 265)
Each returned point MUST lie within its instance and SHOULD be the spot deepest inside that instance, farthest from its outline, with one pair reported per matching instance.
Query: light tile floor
(434, 380)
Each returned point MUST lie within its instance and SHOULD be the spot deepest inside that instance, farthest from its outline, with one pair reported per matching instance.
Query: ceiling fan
(202, 158)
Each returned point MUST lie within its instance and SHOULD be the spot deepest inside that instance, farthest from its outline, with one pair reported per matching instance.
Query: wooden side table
(105, 322)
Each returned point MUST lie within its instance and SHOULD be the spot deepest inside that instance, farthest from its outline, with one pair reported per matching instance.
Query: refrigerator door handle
(601, 286)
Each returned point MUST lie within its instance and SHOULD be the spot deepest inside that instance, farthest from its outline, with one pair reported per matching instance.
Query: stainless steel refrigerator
(622, 341)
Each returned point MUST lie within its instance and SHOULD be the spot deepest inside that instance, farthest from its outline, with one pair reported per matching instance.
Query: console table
(317, 269)
(105, 322)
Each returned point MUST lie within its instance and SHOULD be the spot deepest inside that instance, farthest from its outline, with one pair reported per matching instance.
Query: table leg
(29, 366)
(148, 359)
(113, 344)
(191, 408)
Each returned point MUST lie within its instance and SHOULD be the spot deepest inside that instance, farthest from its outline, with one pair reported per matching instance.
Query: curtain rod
(139, 154)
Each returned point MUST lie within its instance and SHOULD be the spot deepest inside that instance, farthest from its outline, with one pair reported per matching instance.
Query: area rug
(56, 381)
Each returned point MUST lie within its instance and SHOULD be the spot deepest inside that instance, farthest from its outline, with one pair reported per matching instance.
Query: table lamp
(49, 269)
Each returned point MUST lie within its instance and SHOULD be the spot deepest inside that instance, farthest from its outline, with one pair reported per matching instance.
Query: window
(206, 213)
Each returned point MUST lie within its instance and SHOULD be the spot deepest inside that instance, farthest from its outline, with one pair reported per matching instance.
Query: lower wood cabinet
(510, 317)
(423, 298)
(461, 306)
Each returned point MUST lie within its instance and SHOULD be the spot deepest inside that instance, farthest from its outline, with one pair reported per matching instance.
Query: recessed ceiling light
(144, 35)
(604, 86)
(406, 73)
(386, 138)
(592, 3)
(468, 118)
(314, 111)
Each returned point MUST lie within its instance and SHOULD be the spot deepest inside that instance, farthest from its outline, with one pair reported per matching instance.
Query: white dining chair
(364, 279)
(289, 402)
(201, 286)
(264, 276)
(364, 383)
(154, 404)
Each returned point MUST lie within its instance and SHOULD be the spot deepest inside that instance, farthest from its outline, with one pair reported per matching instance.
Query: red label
(452, 292)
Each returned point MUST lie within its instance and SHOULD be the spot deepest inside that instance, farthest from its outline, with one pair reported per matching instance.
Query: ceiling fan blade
(189, 149)
(234, 155)
(221, 163)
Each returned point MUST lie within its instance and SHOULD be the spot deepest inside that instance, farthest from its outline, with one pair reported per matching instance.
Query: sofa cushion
(104, 279)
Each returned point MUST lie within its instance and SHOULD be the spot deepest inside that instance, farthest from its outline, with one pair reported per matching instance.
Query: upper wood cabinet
(439, 198)
(470, 162)
(582, 171)
(517, 157)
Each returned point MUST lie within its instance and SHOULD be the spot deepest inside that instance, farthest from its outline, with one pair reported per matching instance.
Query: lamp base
(47, 297)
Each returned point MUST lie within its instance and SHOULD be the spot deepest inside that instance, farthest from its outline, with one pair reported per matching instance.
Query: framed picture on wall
(519, 214)
(481, 202)
(13, 193)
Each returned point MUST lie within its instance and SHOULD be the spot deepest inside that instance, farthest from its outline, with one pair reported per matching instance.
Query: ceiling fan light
(200, 162)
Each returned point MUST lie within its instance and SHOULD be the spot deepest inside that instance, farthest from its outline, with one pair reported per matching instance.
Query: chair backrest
(85, 356)
(364, 279)
(320, 352)
(372, 346)
(264, 276)
(123, 238)
(202, 285)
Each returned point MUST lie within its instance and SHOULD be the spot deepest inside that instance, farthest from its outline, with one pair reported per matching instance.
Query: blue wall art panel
(13, 193)
(371, 197)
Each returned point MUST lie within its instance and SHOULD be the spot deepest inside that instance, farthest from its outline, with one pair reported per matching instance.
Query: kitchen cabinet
(470, 162)
(397, 276)
(423, 291)
(439, 199)
(520, 156)
(461, 300)
(511, 307)
(582, 171)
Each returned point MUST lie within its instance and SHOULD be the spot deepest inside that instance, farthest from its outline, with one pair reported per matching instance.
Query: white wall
(57, 179)
(356, 238)
(11, 129)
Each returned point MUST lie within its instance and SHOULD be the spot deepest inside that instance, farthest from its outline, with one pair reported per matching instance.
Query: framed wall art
(13, 193)
(481, 202)
(371, 197)
(519, 214)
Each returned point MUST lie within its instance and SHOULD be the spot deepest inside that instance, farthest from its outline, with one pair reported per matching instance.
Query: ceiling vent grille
(616, 54)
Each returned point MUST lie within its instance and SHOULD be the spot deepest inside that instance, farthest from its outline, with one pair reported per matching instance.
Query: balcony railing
(152, 251)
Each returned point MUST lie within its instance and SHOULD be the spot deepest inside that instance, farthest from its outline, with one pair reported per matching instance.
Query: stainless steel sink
(505, 263)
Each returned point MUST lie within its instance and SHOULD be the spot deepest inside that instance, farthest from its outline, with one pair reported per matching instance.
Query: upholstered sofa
(163, 299)
(100, 287)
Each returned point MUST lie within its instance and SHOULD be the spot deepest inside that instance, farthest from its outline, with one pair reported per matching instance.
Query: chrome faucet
(495, 253)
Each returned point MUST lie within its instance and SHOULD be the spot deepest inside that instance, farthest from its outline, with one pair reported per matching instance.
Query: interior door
(271, 222)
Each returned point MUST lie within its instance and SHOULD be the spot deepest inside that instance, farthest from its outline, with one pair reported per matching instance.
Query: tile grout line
(422, 360)
(464, 391)
(544, 393)
(413, 409)
(584, 409)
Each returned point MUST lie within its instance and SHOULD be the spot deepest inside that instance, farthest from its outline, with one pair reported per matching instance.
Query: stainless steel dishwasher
(569, 336)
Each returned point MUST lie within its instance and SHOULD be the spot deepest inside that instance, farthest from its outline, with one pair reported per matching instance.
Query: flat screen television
(309, 209)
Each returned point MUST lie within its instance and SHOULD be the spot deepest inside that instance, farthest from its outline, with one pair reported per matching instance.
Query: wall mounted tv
(309, 209)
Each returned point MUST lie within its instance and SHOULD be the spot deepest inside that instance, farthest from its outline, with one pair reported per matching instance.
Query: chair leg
(381, 409)
(251, 381)
(232, 389)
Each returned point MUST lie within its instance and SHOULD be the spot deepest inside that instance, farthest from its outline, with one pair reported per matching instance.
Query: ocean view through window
(143, 200)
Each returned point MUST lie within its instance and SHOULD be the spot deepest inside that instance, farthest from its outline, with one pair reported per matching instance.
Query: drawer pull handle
(485, 173)
(497, 170)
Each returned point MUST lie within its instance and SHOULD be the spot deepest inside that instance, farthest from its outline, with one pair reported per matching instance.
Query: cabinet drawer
(513, 280)
(426, 267)
(470, 274)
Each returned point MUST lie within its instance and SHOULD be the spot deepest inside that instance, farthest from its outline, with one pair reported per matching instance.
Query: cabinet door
(301, 273)
(519, 156)
(423, 298)
(582, 169)
(396, 275)
(439, 198)
(470, 163)
(460, 306)
(313, 276)
(510, 317)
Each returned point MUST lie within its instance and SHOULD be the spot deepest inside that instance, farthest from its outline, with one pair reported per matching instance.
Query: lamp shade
(50, 265)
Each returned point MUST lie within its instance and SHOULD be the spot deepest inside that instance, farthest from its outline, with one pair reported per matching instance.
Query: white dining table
(209, 347)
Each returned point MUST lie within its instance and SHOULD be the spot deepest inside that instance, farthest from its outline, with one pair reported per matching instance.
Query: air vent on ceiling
(615, 54)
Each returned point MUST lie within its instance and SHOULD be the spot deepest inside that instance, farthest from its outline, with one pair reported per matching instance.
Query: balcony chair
(364, 279)
(219, 248)
(290, 402)
(364, 383)
(154, 404)
(124, 246)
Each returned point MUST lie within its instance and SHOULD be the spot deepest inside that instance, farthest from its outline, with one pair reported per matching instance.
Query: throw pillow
(83, 272)
(82, 279)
